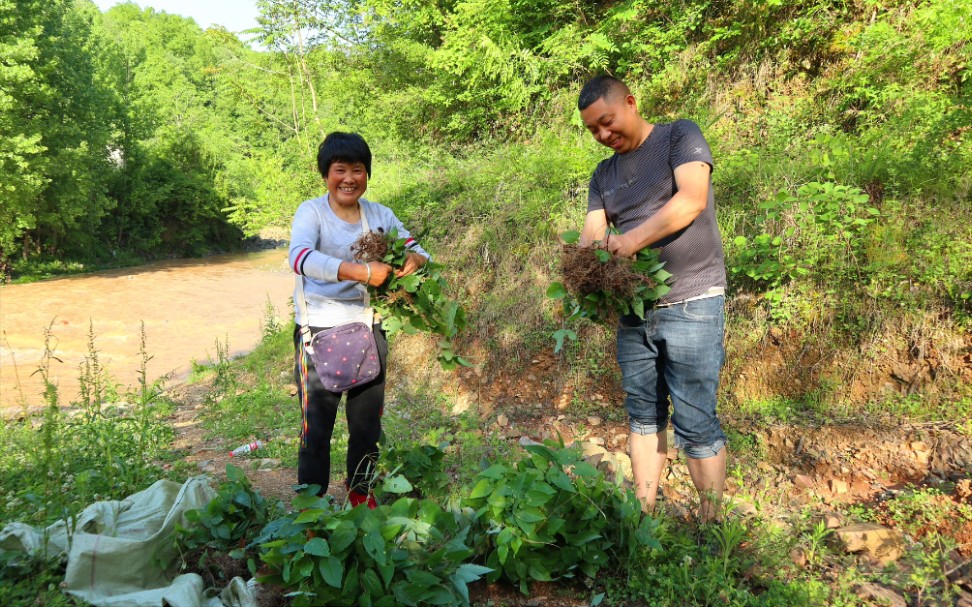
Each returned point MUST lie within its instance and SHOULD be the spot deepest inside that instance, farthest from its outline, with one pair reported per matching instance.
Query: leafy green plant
(422, 465)
(640, 283)
(230, 519)
(417, 302)
(552, 515)
(409, 553)
(821, 225)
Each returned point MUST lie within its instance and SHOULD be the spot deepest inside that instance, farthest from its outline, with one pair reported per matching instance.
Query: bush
(552, 515)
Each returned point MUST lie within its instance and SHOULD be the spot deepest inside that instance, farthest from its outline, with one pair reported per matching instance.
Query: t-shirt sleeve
(594, 200)
(304, 257)
(689, 145)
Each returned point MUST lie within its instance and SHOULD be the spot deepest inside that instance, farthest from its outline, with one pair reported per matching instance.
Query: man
(656, 191)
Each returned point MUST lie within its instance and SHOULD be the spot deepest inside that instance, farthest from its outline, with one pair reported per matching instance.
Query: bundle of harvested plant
(415, 302)
(600, 286)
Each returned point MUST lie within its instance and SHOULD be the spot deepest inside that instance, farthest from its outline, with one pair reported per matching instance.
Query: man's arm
(692, 183)
(595, 227)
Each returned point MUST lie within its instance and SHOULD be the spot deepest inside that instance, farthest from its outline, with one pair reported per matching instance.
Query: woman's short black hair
(343, 147)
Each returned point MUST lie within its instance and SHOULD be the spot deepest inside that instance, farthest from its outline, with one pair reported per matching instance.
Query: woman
(335, 290)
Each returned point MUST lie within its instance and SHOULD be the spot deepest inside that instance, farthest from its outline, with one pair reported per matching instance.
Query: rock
(963, 490)
(677, 471)
(502, 420)
(615, 464)
(886, 545)
(745, 509)
(207, 465)
(831, 520)
(618, 439)
(964, 599)
(765, 467)
(803, 481)
(799, 557)
(838, 486)
(594, 420)
(264, 464)
(918, 447)
(876, 594)
(597, 440)
(464, 402)
(526, 441)
(590, 448)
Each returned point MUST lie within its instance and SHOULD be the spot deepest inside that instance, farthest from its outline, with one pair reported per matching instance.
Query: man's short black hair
(601, 87)
(343, 147)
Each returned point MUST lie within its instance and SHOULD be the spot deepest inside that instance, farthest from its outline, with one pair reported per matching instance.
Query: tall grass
(103, 446)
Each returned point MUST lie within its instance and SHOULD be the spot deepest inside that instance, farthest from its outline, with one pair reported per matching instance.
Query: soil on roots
(372, 246)
(583, 273)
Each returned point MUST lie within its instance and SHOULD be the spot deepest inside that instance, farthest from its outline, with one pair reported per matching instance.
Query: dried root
(583, 273)
(372, 246)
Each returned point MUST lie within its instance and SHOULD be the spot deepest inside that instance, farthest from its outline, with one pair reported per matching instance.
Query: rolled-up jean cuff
(703, 451)
(646, 428)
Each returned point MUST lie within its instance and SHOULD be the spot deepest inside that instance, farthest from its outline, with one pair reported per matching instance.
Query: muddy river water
(185, 305)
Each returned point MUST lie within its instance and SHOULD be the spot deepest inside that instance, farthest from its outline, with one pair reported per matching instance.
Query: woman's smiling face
(346, 182)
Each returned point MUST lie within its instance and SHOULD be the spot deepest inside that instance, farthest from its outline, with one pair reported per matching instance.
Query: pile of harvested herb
(415, 302)
(372, 246)
(600, 286)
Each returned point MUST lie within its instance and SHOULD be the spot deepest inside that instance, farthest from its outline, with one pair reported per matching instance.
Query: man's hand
(413, 261)
(595, 227)
(622, 245)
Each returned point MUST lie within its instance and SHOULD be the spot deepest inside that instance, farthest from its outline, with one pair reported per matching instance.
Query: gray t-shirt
(632, 187)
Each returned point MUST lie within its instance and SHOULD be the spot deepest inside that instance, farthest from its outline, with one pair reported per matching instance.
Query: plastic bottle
(244, 449)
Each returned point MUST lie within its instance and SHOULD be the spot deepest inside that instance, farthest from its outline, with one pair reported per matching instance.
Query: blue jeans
(676, 352)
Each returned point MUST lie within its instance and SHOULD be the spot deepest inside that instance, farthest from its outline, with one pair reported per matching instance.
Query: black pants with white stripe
(363, 408)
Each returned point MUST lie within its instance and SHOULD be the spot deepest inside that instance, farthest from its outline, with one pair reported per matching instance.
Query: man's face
(346, 182)
(613, 120)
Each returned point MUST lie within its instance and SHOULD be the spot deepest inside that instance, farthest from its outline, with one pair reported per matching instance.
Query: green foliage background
(133, 134)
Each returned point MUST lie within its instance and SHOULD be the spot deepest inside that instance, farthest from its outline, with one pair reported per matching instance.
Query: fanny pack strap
(305, 332)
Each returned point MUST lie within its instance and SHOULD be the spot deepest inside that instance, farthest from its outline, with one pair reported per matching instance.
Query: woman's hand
(379, 273)
(413, 261)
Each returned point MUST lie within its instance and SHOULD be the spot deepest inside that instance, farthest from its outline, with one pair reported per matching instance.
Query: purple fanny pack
(345, 356)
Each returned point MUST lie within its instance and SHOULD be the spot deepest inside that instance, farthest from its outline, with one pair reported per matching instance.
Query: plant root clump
(583, 273)
(372, 246)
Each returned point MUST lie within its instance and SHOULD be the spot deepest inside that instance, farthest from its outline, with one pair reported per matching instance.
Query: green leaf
(559, 336)
(396, 484)
(556, 290)
(317, 547)
(483, 488)
(494, 472)
(343, 536)
(310, 515)
(571, 236)
(331, 570)
(371, 583)
(235, 474)
(602, 255)
(374, 545)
